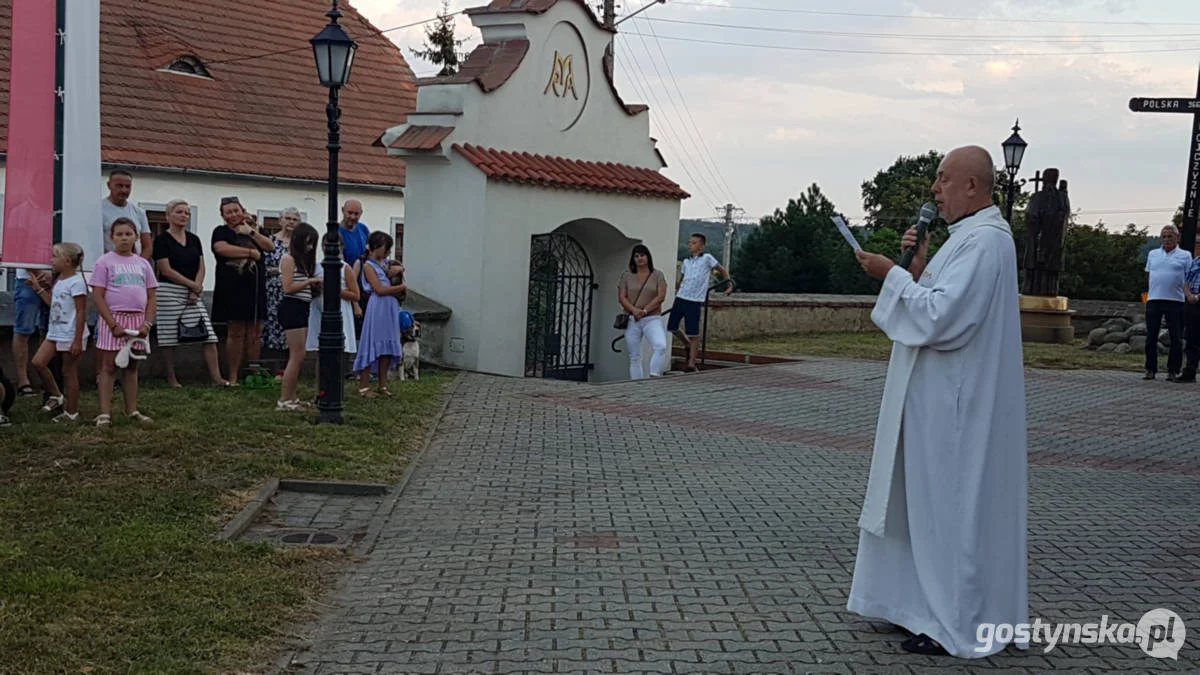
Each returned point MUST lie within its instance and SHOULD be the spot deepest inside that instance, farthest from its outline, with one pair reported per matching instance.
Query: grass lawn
(876, 346)
(108, 556)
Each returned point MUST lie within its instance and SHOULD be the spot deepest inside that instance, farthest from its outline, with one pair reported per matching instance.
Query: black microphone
(929, 211)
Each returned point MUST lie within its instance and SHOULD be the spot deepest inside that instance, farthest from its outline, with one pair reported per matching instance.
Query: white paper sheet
(841, 226)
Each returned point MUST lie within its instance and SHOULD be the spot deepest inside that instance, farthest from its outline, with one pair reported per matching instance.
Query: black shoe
(1149, 375)
(1171, 377)
(1186, 377)
(923, 644)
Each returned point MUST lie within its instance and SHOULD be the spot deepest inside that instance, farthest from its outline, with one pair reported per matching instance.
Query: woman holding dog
(179, 261)
(273, 333)
(641, 292)
(240, 295)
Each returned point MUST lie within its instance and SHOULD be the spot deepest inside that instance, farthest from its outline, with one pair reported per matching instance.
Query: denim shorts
(31, 314)
(687, 311)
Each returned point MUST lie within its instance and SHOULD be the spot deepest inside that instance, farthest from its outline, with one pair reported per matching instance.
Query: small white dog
(410, 343)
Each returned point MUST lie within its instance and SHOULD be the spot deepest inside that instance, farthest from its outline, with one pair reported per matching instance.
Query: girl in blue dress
(379, 347)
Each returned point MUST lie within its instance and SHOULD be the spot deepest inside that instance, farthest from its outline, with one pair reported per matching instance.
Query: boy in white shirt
(691, 295)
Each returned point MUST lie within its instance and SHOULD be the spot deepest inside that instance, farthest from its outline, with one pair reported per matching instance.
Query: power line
(633, 82)
(934, 18)
(378, 33)
(830, 50)
(688, 110)
(1115, 37)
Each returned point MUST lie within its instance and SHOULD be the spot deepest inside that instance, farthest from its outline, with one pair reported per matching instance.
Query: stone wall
(744, 315)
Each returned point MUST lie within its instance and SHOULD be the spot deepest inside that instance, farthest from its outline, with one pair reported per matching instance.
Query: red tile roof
(262, 116)
(419, 138)
(570, 174)
(489, 65)
(530, 7)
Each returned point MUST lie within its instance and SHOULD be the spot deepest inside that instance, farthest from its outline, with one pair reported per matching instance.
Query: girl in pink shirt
(123, 286)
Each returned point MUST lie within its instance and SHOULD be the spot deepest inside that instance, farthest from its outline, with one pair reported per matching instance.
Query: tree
(788, 253)
(441, 47)
(893, 198)
(1099, 265)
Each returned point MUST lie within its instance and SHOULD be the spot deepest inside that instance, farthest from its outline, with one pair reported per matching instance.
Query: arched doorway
(559, 313)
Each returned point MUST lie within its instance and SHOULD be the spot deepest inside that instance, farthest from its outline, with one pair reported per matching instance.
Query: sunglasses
(229, 200)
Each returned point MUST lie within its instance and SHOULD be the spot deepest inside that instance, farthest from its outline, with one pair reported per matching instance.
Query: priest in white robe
(942, 540)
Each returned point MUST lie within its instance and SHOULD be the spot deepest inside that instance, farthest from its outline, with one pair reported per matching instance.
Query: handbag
(622, 320)
(193, 333)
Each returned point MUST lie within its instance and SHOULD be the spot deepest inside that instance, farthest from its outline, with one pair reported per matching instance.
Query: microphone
(929, 211)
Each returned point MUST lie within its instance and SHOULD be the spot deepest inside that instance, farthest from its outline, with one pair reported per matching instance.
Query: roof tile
(561, 172)
(263, 115)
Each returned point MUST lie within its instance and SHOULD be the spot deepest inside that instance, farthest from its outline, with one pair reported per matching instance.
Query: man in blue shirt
(1166, 300)
(1191, 322)
(353, 232)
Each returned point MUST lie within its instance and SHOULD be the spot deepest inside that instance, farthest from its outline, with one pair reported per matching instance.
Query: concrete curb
(384, 513)
(333, 488)
(247, 515)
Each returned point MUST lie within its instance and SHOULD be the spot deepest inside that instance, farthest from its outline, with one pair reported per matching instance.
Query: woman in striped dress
(179, 261)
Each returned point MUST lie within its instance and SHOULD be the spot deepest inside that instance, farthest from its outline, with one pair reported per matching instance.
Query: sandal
(383, 391)
(366, 392)
(54, 403)
(65, 417)
(26, 390)
(103, 420)
(135, 415)
(923, 644)
(4, 421)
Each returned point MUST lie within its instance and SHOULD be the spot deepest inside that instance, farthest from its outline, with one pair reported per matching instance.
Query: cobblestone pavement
(707, 523)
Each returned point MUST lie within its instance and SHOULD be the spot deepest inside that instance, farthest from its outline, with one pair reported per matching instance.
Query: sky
(752, 124)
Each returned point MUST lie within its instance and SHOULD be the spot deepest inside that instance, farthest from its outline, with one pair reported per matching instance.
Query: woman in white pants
(641, 292)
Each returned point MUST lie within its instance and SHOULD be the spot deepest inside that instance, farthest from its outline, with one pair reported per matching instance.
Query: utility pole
(729, 210)
(610, 14)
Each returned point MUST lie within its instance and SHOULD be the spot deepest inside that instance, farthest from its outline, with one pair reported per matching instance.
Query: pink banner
(29, 175)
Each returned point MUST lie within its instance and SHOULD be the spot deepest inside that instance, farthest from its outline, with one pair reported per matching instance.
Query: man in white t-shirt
(691, 295)
(117, 205)
(1168, 293)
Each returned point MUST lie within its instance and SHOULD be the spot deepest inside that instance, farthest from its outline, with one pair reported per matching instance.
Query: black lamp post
(334, 51)
(1014, 151)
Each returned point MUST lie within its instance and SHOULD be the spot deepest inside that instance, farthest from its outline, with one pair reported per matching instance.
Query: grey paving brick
(641, 527)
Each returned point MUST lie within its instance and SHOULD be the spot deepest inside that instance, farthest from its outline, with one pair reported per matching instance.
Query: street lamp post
(1014, 151)
(334, 51)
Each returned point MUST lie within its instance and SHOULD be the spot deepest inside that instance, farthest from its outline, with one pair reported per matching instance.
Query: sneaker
(4, 421)
(139, 417)
(288, 406)
(1171, 377)
(1186, 377)
(65, 417)
(1149, 375)
(53, 403)
(103, 420)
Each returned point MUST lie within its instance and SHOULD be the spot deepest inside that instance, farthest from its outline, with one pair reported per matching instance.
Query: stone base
(1046, 319)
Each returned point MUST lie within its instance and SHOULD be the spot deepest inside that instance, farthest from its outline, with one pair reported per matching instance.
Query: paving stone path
(706, 523)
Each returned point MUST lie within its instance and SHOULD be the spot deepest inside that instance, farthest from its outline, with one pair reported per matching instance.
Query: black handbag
(193, 333)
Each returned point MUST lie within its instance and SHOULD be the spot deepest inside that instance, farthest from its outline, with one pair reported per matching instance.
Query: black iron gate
(559, 317)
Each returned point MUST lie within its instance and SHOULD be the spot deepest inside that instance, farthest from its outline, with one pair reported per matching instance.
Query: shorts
(689, 312)
(32, 315)
(293, 313)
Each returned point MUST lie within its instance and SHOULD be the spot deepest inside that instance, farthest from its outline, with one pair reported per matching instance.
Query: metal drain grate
(310, 538)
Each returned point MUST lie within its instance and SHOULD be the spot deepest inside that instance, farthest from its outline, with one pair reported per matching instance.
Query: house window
(156, 215)
(398, 235)
(188, 65)
(270, 220)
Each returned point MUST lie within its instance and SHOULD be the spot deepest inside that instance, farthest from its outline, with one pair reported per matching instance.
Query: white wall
(204, 195)
(606, 225)
(445, 253)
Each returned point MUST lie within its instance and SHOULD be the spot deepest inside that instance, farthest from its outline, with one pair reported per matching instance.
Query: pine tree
(441, 47)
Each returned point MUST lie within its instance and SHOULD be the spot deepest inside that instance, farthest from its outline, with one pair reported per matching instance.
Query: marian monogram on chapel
(562, 77)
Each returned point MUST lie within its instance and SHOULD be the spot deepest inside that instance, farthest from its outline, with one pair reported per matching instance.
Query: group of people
(1173, 298)
(267, 292)
(641, 292)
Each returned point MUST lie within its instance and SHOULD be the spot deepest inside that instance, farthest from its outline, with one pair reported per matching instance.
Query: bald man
(942, 539)
(353, 231)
